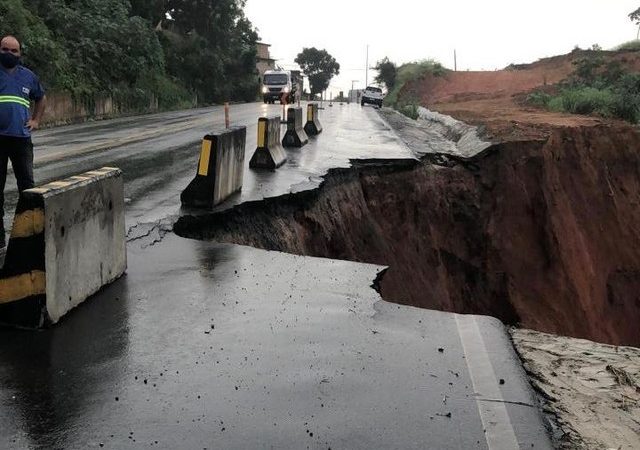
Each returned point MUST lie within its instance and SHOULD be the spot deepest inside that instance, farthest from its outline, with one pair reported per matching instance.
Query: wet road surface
(205, 345)
(158, 154)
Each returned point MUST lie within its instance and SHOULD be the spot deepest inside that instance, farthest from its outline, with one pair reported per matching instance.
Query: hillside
(496, 99)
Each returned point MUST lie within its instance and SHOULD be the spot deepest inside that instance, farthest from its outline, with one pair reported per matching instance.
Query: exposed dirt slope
(495, 99)
(456, 87)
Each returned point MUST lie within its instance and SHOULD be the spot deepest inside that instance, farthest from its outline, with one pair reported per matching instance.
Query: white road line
(499, 432)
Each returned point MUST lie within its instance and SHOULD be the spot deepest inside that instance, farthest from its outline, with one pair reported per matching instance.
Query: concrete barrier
(269, 154)
(67, 242)
(220, 169)
(295, 135)
(313, 126)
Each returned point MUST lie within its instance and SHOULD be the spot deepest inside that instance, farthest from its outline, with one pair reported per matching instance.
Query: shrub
(539, 98)
(588, 100)
(410, 110)
(629, 46)
(626, 109)
(556, 104)
(595, 87)
(410, 72)
(626, 104)
(171, 95)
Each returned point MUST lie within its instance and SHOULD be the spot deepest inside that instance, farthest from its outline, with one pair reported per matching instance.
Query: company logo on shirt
(26, 90)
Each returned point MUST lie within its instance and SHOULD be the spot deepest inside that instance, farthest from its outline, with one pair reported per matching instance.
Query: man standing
(18, 87)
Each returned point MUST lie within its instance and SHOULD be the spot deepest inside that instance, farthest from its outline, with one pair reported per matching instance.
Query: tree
(319, 66)
(41, 52)
(211, 47)
(387, 73)
(136, 50)
(155, 11)
(106, 47)
(635, 17)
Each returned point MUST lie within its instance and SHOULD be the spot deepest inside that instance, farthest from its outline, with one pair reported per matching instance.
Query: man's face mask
(9, 60)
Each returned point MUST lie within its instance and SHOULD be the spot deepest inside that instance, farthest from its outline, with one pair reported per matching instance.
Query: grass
(596, 87)
(410, 110)
(630, 45)
(609, 102)
(412, 72)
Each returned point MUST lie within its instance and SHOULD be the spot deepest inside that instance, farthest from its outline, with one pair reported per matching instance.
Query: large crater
(543, 234)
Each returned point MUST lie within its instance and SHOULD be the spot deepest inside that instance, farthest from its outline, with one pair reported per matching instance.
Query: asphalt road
(151, 150)
(158, 154)
(205, 345)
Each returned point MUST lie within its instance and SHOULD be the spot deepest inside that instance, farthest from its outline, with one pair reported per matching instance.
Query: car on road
(372, 95)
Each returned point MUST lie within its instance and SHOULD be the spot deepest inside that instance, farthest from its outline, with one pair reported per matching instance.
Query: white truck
(281, 85)
(372, 95)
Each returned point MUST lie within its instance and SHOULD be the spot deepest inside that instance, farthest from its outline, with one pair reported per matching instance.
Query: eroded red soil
(495, 99)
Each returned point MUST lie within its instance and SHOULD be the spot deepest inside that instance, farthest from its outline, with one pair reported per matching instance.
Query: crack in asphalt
(156, 231)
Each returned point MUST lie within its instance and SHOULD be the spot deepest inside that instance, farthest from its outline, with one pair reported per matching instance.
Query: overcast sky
(487, 34)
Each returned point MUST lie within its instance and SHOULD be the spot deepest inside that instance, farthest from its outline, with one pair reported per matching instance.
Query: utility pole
(366, 70)
(455, 61)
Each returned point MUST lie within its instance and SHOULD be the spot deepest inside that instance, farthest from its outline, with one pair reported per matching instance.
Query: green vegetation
(387, 73)
(410, 110)
(540, 99)
(403, 95)
(635, 18)
(171, 51)
(319, 66)
(629, 46)
(595, 87)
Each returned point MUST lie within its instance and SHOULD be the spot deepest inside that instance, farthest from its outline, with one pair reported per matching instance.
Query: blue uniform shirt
(17, 89)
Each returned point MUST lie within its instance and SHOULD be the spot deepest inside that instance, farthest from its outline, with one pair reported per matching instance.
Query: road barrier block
(269, 154)
(295, 135)
(67, 242)
(313, 126)
(220, 169)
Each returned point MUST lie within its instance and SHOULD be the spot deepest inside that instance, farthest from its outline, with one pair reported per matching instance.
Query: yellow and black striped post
(269, 154)
(23, 276)
(313, 126)
(220, 168)
(295, 135)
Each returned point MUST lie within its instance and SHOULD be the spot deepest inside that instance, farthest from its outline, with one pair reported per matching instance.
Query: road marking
(499, 432)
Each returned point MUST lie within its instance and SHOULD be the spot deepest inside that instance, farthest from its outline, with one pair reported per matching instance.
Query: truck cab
(279, 85)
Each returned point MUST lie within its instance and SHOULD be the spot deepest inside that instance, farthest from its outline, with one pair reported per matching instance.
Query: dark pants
(20, 152)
